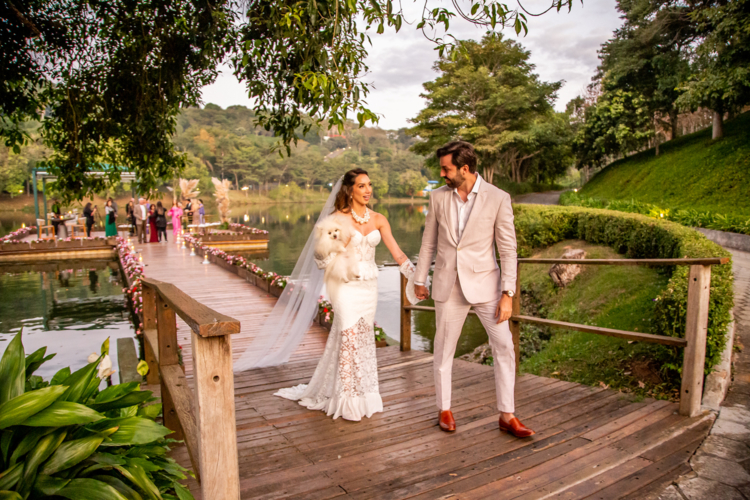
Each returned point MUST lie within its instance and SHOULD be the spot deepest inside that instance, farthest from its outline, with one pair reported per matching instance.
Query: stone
(478, 355)
(670, 493)
(732, 423)
(718, 469)
(704, 489)
(127, 361)
(564, 274)
(728, 449)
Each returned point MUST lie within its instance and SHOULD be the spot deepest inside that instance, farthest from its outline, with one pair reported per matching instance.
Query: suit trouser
(142, 227)
(450, 317)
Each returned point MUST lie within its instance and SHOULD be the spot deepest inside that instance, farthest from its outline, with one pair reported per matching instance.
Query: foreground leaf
(46, 447)
(59, 377)
(62, 413)
(12, 370)
(10, 495)
(138, 476)
(71, 453)
(79, 381)
(132, 399)
(10, 477)
(136, 430)
(182, 492)
(49, 486)
(89, 489)
(28, 442)
(120, 486)
(20, 408)
(35, 360)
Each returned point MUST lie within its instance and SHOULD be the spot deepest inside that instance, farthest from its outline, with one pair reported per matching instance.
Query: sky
(563, 46)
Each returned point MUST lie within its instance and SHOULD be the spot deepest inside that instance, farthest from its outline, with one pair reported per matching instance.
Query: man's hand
(421, 292)
(504, 309)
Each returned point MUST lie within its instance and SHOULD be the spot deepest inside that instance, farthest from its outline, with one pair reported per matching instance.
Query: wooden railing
(204, 420)
(699, 287)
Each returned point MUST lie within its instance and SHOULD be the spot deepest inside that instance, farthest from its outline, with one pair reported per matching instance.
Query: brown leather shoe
(516, 428)
(446, 421)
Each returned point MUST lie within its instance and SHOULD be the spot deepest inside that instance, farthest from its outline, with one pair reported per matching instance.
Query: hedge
(640, 237)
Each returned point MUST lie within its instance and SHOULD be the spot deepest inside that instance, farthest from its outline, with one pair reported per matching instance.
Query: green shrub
(65, 438)
(641, 237)
(690, 218)
(289, 192)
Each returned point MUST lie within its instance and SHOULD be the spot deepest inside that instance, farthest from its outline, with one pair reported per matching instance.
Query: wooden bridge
(244, 442)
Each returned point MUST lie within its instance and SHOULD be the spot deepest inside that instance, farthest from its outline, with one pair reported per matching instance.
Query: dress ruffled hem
(346, 407)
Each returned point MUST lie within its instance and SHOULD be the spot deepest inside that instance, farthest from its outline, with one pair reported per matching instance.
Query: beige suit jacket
(472, 258)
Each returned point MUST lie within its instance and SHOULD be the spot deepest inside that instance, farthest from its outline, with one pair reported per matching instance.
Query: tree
(410, 183)
(112, 76)
(721, 77)
(487, 94)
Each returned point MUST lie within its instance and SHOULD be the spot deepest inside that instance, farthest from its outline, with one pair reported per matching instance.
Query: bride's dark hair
(343, 201)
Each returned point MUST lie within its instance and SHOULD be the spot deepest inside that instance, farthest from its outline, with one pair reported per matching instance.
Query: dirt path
(546, 198)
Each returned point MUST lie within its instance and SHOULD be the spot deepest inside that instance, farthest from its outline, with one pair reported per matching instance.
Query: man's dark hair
(462, 153)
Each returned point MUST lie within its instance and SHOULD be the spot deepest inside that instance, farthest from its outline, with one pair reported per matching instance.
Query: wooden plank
(609, 332)
(699, 291)
(214, 390)
(710, 261)
(151, 343)
(201, 318)
(181, 398)
(405, 339)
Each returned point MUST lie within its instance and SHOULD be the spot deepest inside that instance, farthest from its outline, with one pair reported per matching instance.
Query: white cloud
(563, 47)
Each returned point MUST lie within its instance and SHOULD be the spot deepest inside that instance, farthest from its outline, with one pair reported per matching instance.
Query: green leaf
(10, 477)
(182, 492)
(105, 347)
(138, 476)
(10, 495)
(79, 381)
(474, 9)
(142, 368)
(71, 453)
(89, 489)
(12, 370)
(150, 411)
(120, 486)
(46, 447)
(48, 486)
(34, 360)
(135, 430)
(62, 413)
(6, 438)
(18, 409)
(29, 441)
(60, 376)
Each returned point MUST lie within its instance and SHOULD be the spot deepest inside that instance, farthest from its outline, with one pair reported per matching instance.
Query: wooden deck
(590, 442)
(222, 291)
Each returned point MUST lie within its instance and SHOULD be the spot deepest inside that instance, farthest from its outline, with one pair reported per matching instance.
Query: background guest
(89, 213)
(110, 221)
(161, 220)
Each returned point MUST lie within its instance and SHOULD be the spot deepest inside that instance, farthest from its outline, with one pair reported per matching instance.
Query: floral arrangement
(280, 281)
(17, 234)
(247, 229)
(134, 271)
(379, 332)
(325, 307)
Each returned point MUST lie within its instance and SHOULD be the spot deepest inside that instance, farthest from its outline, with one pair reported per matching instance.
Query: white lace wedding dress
(345, 382)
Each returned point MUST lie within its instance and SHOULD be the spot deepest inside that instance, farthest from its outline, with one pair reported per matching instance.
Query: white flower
(105, 367)
(93, 357)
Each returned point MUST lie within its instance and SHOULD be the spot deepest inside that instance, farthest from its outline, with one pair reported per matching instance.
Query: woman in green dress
(110, 219)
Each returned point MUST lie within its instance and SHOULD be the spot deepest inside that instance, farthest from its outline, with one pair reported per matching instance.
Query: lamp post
(245, 188)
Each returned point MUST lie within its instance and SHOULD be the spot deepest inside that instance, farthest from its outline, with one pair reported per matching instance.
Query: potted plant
(379, 336)
(277, 285)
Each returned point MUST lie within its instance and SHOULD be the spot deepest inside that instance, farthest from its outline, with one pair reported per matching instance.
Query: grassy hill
(691, 172)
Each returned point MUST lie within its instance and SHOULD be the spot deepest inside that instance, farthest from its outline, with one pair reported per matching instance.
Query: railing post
(515, 326)
(699, 286)
(217, 428)
(166, 327)
(149, 323)
(405, 317)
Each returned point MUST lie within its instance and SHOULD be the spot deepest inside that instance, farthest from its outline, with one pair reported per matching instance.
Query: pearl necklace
(362, 220)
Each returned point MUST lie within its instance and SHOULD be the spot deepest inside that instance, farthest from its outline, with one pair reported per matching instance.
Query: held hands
(504, 308)
(422, 292)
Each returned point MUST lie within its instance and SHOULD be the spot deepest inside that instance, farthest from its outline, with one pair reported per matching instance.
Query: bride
(345, 382)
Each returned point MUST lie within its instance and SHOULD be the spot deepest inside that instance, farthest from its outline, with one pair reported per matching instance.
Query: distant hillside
(691, 172)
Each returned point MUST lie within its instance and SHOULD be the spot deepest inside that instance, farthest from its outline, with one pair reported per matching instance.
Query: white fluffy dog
(331, 241)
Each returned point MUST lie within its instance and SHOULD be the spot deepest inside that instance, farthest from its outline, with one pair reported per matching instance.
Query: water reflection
(70, 308)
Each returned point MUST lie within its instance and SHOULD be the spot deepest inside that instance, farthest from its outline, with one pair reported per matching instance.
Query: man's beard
(456, 181)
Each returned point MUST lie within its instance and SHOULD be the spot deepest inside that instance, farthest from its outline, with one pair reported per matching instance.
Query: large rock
(564, 274)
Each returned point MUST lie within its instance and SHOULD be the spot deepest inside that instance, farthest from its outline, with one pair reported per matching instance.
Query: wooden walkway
(222, 291)
(590, 442)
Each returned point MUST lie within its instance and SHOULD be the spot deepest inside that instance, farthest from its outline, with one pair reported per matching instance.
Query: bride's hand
(422, 292)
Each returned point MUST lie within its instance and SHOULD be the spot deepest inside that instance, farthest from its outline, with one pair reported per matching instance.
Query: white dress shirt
(463, 209)
(143, 211)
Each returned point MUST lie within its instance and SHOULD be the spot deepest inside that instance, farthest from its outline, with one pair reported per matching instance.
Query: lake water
(289, 226)
(71, 310)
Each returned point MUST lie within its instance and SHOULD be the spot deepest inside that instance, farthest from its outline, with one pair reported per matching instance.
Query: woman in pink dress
(176, 213)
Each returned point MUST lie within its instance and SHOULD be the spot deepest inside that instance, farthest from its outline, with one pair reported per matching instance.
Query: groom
(467, 218)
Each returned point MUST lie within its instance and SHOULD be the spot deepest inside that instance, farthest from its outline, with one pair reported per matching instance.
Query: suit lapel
(474, 215)
(449, 209)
